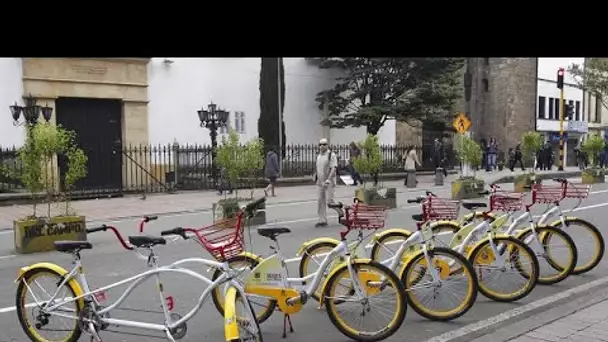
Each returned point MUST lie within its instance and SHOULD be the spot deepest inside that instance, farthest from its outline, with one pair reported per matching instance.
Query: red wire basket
(506, 201)
(436, 208)
(547, 193)
(224, 239)
(577, 190)
(368, 216)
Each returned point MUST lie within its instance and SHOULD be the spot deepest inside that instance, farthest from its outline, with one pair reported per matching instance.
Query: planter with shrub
(531, 143)
(369, 163)
(593, 174)
(467, 185)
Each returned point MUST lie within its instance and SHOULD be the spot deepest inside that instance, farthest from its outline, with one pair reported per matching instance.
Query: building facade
(596, 114)
(548, 109)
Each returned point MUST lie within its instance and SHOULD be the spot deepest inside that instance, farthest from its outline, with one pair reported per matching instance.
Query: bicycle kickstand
(94, 335)
(287, 319)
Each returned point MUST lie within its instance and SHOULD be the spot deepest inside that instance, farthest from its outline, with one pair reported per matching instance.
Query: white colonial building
(178, 87)
(547, 109)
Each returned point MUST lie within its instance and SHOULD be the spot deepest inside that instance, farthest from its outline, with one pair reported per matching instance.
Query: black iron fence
(162, 168)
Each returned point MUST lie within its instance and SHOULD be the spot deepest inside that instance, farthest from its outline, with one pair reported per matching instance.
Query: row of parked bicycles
(365, 287)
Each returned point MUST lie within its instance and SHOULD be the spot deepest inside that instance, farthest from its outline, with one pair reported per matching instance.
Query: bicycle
(420, 253)
(91, 317)
(269, 277)
(552, 196)
(492, 245)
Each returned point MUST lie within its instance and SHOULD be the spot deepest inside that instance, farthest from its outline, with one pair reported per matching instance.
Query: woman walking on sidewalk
(271, 170)
(411, 160)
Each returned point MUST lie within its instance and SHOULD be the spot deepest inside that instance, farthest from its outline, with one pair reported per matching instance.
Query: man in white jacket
(325, 178)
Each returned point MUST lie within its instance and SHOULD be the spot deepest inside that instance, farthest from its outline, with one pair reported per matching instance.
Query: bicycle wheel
(546, 244)
(68, 314)
(461, 290)
(588, 240)
(263, 307)
(515, 252)
(313, 256)
(388, 244)
(377, 281)
(240, 323)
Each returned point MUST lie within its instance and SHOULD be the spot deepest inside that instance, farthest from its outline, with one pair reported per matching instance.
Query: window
(598, 110)
(557, 109)
(577, 111)
(541, 107)
(484, 84)
(551, 110)
(239, 122)
(226, 128)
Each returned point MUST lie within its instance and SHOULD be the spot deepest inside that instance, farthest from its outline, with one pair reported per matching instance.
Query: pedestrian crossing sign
(461, 123)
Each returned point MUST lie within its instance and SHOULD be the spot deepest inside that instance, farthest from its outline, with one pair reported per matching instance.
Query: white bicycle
(71, 298)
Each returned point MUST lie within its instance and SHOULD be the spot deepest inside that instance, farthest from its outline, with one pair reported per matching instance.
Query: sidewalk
(587, 325)
(134, 206)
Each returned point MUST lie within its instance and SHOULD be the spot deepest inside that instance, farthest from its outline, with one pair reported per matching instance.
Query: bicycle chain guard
(179, 331)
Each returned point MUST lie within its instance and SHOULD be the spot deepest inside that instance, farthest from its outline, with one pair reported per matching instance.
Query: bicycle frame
(89, 295)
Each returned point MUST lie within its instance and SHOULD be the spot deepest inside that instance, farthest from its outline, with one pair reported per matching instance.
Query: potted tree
(44, 143)
(467, 185)
(239, 162)
(369, 163)
(593, 173)
(531, 143)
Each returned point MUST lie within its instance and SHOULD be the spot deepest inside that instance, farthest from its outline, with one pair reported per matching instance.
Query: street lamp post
(31, 112)
(213, 119)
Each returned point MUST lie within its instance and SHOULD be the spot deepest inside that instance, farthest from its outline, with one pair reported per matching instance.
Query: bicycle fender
(59, 270)
(454, 224)
(470, 216)
(336, 270)
(476, 245)
(377, 237)
(558, 222)
(252, 256)
(231, 326)
(312, 242)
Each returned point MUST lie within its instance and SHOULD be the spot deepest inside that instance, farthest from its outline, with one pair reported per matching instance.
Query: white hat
(323, 141)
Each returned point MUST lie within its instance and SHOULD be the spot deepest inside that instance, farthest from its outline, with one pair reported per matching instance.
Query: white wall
(11, 90)
(547, 89)
(178, 90)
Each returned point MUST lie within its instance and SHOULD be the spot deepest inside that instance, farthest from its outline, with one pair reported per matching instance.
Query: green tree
(593, 146)
(269, 102)
(592, 78)
(240, 160)
(369, 161)
(531, 143)
(468, 151)
(374, 90)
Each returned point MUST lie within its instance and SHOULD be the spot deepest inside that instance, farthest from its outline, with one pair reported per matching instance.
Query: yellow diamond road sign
(462, 123)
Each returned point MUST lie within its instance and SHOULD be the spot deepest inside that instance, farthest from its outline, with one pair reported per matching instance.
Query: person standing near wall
(325, 178)
(492, 154)
(411, 160)
(354, 152)
(271, 170)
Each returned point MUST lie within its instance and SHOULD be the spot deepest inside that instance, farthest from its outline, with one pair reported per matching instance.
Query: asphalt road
(108, 263)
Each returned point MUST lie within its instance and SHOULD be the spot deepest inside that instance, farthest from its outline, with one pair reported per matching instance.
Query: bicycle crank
(179, 331)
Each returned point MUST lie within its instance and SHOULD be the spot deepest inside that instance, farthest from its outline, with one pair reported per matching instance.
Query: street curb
(541, 176)
(575, 299)
(555, 313)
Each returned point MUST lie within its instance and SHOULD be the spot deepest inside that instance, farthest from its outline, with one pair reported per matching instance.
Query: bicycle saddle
(273, 232)
(474, 205)
(146, 241)
(71, 246)
(418, 217)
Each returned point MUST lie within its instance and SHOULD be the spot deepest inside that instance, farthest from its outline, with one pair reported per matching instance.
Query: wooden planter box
(378, 196)
(466, 188)
(593, 176)
(33, 236)
(225, 209)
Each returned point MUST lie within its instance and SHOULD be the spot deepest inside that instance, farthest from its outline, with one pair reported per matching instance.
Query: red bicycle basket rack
(577, 190)
(224, 239)
(555, 193)
(436, 208)
(506, 201)
(368, 216)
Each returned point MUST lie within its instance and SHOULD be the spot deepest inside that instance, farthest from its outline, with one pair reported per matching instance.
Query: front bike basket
(507, 201)
(224, 239)
(436, 208)
(547, 193)
(368, 216)
(577, 190)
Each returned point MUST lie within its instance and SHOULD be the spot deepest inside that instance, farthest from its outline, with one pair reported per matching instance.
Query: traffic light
(568, 111)
(560, 78)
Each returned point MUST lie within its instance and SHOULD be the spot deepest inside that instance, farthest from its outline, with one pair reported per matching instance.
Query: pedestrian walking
(325, 179)
(271, 170)
(354, 152)
(492, 154)
(517, 157)
(411, 160)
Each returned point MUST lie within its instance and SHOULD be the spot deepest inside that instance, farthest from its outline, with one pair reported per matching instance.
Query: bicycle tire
(374, 255)
(21, 310)
(394, 282)
(465, 266)
(217, 297)
(306, 258)
(230, 314)
(544, 232)
(597, 236)
(533, 278)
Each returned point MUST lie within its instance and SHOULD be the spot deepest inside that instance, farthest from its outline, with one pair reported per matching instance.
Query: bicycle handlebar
(116, 232)
(255, 204)
(338, 205)
(145, 220)
(416, 200)
(560, 180)
(175, 231)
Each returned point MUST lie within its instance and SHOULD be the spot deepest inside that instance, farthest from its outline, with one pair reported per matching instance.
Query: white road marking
(448, 336)
(12, 308)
